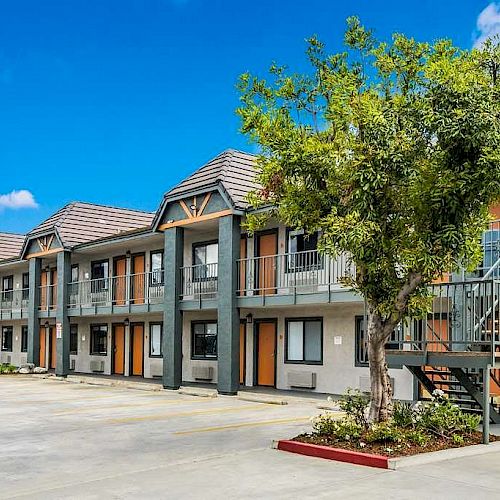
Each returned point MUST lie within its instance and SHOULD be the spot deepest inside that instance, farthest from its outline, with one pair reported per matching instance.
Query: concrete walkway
(67, 440)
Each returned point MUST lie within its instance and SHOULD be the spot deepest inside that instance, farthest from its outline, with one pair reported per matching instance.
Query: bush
(7, 368)
(355, 404)
(345, 429)
(417, 437)
(385, 432)
(403, 414)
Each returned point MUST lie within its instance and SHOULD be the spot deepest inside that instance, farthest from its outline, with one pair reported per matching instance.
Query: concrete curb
(141, 386)
(202, 393)
(261, 399)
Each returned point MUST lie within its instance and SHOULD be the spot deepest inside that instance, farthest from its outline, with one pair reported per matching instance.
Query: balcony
(199, 282)
(48, 300)
(302, 277)
(141, 292)
(14, 304)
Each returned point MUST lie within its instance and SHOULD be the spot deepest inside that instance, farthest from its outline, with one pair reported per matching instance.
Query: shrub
(457, 439)
(345, 429)
(7, 368)
(417, 437)
(355, 404)
(403, 414)
(384, 432)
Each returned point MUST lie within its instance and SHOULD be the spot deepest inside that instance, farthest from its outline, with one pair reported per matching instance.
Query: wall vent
(203, 372)
(97, 366)
(156, 371)
(72, 364)
(302, 380)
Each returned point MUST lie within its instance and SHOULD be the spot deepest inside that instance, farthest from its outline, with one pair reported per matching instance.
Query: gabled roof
(233, 170)
(80, 222)
(10, 245)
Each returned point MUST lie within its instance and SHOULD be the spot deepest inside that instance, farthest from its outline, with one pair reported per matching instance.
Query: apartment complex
(186, 295)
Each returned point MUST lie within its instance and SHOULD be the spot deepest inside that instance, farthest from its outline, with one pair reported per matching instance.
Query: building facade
(186, 295)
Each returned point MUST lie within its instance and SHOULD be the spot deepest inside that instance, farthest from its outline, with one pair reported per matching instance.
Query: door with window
(156, 275)
(99, 274)
(205, 267)
(137, 349)
(118, 353)
(267, 248)
(120, 280)
(266, 352)
(138, 288)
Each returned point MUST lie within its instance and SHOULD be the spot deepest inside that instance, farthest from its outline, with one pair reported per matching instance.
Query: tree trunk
(381, 390)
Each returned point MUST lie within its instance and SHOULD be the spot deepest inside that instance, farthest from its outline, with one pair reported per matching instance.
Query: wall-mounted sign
(337, 340)
(59, 330)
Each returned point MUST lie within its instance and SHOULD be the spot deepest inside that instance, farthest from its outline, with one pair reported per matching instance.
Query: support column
(172, 315)
(486, 404)
(228, 324)
(35, 268)
(62, 319)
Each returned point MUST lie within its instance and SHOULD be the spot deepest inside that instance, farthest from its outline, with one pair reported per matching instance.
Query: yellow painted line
(244, 424)
(165, 416)
(127, 405)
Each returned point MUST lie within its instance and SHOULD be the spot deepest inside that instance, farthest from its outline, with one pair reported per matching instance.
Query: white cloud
(18, 199)
(488, 24)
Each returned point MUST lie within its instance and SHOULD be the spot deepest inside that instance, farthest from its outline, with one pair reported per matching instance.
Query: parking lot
(64, 440)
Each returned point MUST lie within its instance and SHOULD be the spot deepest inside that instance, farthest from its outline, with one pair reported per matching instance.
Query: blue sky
(115, 101)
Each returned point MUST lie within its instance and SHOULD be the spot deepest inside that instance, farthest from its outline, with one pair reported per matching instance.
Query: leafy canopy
(391, 150)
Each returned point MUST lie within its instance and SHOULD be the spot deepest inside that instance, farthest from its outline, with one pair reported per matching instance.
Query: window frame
(8, 293)
(24, 338)
(155, 272)
(103, 284)
(91, 346)
(197, 245)
(204, 357)
(9, 329)
(73, 327)
(303, 320)
(291, 267)
(151, 324)
(73, 267)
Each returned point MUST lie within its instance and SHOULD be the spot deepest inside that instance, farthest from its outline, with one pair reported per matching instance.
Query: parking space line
(244, 424)
(166, 416)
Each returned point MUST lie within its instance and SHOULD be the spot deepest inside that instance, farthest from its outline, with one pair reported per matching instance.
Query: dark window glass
(157, 268)
(99, 276)
(302, 251)
(26, 286)
(24, 338)
(362, 342)
(204, 340)
(7, 288)
(155, 339)
(7, 338)
(205, 258)
(99, 340)
(73, 339)
(74, 273)
(304, 340)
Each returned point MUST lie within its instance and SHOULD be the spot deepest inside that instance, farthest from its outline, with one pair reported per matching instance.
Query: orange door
(266, 353)
(43, 289)
(119, 349)
(137, 343)
(437, 334)
(43, 338)
(53, 348)
(138, 288)
(120, 282)
(242, 353)
(267, 248)
(243, 266)
(53, 288)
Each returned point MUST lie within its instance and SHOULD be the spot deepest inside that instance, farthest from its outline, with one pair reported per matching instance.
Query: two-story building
(186, 295)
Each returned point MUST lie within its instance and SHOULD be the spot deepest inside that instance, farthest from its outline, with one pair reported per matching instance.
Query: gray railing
(14, 300)
(132, 289)
(490, 265)
(464, 317)
(301, 272)
(199, 281)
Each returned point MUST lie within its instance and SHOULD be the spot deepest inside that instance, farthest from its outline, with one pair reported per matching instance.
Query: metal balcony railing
(131, 289)
(199, 281)
(14, 300)
(290, 273)
(48, 297)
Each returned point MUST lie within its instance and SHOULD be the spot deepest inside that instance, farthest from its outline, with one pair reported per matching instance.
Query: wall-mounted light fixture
(128, 253)
(46, 324)
(170, 221)
(126, 322)
(249, 318)
(193, 207)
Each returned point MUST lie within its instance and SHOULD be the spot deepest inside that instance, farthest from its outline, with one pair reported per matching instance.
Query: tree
(392, 152)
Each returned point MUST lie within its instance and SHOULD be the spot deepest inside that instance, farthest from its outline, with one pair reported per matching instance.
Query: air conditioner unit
(364, 384)
(72, 364)
(203, 372)
(97, 366)
(302, 380)
(156, 371)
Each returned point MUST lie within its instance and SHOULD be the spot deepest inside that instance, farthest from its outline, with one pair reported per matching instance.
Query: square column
(62, 319)
(172, 315)
(228, 325)
(35, 268)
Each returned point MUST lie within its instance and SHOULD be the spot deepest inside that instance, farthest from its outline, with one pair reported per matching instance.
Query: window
(304, 341)
(157, 268)
(205, 258)
(74, 273)
(155, 339)
(361, 358)
(204, 344)
(7, 288)
(99, 274)
(302, 251)
(26, 286)
(73, 339)
(24, 338)
(99, 340)
(7, 338)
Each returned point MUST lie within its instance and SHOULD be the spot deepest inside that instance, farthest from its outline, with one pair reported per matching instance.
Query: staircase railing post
(486, 404)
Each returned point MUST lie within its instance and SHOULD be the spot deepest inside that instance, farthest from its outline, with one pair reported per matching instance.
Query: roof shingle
(10, 245)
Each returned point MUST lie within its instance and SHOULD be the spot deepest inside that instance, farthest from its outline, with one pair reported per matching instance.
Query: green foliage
(390, 149)
(403, 414)
(355, 404)
(345, 429)
(6, 368)
(457, 439)
(385, 432)
(417, 437)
